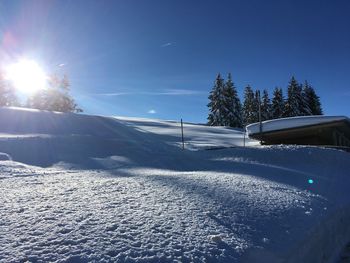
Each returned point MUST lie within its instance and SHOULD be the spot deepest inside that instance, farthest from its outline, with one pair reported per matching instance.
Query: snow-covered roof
(293, 122)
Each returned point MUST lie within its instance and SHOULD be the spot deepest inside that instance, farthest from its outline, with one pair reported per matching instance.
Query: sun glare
(26, 76)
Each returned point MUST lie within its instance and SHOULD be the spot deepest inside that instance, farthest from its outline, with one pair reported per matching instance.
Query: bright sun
(26, 75)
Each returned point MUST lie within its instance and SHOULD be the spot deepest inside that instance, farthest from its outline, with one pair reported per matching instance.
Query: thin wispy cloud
(165, 92)
(167, 44)
(61, 65)
(177, 92)
(114, 94)
(152, 111)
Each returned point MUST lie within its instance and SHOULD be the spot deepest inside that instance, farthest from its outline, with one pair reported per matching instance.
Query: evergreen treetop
(7, 93)
(216, 103)
(55, 98)
(294, 104)
(312, 100)
(249, 108)
(265, 106)
(233, 105)
(277, 108)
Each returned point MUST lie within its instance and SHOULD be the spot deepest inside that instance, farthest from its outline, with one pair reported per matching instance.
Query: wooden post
(260, 122)
(244, 136)
(182, 135)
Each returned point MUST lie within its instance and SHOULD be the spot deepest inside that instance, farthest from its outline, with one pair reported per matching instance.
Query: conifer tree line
(55, 97)
(226, 109)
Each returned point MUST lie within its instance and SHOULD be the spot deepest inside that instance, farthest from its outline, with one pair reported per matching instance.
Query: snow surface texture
(293, 122)
(77, 188)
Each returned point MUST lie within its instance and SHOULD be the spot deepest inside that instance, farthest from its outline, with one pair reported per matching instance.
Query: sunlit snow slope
(78, 188)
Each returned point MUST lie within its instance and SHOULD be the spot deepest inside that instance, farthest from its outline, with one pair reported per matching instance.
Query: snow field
(77, 188)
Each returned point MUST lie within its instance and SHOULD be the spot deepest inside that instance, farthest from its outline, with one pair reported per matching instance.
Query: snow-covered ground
(78, 188)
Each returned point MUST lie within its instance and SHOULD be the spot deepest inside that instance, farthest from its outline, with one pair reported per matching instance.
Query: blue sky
(159, 58)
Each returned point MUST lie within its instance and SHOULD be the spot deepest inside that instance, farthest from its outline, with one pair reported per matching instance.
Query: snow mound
(197, 136)
(47, 138)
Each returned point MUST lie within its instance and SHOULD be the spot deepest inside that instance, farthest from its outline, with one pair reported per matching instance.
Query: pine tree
(265, 106)
(257, 101)
(312, 100)
(55, 98)
(217, 110)
(232, 104)
(38, 100)
(294, 105)
(249, 106)
(305, 107)
(277, 104)
(7, 93)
